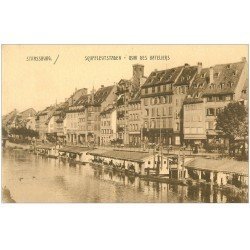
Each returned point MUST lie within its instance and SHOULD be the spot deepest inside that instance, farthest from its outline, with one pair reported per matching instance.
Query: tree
(24, 132)
(4, 132)
(232, 121)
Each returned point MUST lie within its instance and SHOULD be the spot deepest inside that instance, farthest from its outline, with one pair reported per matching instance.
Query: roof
(137, 156)
(225, 79)
(74, 149)
(136, 97)
(186, 76)
(221, 165)
(198, 86)
(83, 100)
(163, 77)
(108, 109)
(28, 110)
(101, 94)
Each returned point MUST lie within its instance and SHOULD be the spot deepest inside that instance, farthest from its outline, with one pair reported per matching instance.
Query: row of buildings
(171, 106)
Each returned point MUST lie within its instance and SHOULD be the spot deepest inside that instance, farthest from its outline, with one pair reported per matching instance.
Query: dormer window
(189, 77)
(221, 85)
(228, 66)
(216, 75)
(203, 75)
(234, 73)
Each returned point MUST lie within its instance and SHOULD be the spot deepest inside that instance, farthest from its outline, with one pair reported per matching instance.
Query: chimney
(138, 73)
(199, 67)
(243, 59)
(211, 75)
(186, 65)
(102, 86)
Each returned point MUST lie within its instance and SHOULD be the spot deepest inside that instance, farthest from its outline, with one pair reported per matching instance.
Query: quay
(152, 165)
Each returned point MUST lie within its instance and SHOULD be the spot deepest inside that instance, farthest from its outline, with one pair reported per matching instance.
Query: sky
(38, 84)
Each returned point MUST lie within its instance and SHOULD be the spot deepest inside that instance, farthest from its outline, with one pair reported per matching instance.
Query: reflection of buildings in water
(98, 173)
(131, 179)
(110, 175)
(140, 185)
(193, 193)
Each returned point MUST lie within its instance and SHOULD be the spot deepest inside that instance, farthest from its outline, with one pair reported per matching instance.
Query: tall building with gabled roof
(83, 117)
(126, 90)
(162, 97)
(210, 92)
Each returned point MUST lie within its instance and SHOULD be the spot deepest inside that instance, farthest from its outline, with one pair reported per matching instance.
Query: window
(216, 75)
(156, 100)
(153, 89)
(146, 91)
(164, 88)
(209, 99)
(164, 112)
(152, 123)
(158, 112)
(149, 162)
(167, 99)
(170, 99)
(170, 110)
(177, 102)
(163, 99)
(146, 101)
(210, 112)
(153, 111)
(159, 89)
(164, 123)
(147, 112)
(218, 110)
(177, 126)
(203, 75)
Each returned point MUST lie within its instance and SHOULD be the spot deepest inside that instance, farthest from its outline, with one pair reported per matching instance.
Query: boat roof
(136, 156)
(220, 165)
(74, 149)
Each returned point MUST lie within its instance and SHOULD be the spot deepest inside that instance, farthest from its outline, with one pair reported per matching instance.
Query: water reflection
(32, 178)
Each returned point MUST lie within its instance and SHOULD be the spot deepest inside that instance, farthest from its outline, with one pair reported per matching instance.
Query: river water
(32, 178)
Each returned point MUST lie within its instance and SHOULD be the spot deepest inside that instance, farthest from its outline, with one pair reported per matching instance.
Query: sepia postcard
(125, 124)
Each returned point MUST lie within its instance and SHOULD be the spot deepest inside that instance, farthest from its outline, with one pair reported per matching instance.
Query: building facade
(108, 125)
(213, 89)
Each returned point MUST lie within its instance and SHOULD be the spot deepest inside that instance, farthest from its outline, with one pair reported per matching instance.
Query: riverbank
(64, 175)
